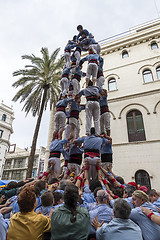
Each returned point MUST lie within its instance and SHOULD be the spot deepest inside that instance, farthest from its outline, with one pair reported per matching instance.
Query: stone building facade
(6, 120)
(16, 164)
(132, 78)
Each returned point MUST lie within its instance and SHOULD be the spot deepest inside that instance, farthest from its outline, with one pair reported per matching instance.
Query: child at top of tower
(80, 30)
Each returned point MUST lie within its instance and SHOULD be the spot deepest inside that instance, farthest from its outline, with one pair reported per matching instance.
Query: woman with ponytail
(70, 221)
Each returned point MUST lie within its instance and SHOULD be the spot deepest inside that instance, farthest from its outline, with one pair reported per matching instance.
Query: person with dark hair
(92, 145)
(105, 114)
(76, 78)
(58, 198)
(121, 227)
(47, 201)
(100, 77)
(154, 197)
(70, 221)
(67, 50)
(92, 107)
(9, 190)
(75, 158)
(52, 181)
(55, 149)
(63, 183)
(26, 224)
(75, 109)
(60, 116)
(81, 30)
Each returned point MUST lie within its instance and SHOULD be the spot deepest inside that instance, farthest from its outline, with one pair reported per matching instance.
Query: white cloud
(28, 25)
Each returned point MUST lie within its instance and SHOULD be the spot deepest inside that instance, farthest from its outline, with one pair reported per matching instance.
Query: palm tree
(39, 85)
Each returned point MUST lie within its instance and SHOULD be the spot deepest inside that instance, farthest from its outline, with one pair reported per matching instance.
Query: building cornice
(136, 95)
(131, 40)
(6, 108)
(6, 126)
(135, 143)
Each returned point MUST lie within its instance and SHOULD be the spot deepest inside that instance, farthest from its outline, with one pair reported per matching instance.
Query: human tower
(96, 145)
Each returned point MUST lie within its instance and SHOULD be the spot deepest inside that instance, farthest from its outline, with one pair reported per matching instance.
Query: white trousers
(100, 81)
(57, 164)
(60, 120)
(67, 58)
(92, 172)
(92, 110)
(64, 85)
(105, 122)
(96, 48)
(92, 69)
(76, 86)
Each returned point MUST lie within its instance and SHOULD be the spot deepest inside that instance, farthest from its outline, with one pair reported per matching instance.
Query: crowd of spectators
(79, 208)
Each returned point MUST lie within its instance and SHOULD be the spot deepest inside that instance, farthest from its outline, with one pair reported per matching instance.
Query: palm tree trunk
(35, 136)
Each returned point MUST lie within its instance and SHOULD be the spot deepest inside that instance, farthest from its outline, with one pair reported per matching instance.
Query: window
(125, 54)
(19, 163)
(112, 84)
(154, 45)
(17, 175)
(158, 72)
(135, 126)
(8, 164)
(142, 177)
(1, 133)
(5, 175)
(4, 117)
(147, 76)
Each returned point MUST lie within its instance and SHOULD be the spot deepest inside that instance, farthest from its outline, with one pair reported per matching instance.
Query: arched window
(147, 76)
(135, 126)
(142, 177)
(158, 72)
(112, 84)
(154, 45)
(4, 117)
(125, 54)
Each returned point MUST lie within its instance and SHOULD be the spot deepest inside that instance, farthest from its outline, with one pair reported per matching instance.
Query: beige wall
(133, 93)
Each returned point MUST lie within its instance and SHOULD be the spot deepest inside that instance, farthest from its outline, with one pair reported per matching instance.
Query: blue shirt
(85, 31)
(94, 56)
(103, 101)
(70, 45)
(150, 230)
(129, 200)
(75, 150)
(103, 213)
(63, 102)
(57, 145)
(106, 148)
(65, 153)
(66, 70)
(92, 142)
(157, 203)
(119, 229)
(3, 228)
(88, 196)
(44, 210)
(89, 206)
(90, 91)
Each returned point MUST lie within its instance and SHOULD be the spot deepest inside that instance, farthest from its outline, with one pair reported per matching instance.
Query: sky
(28, 25)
